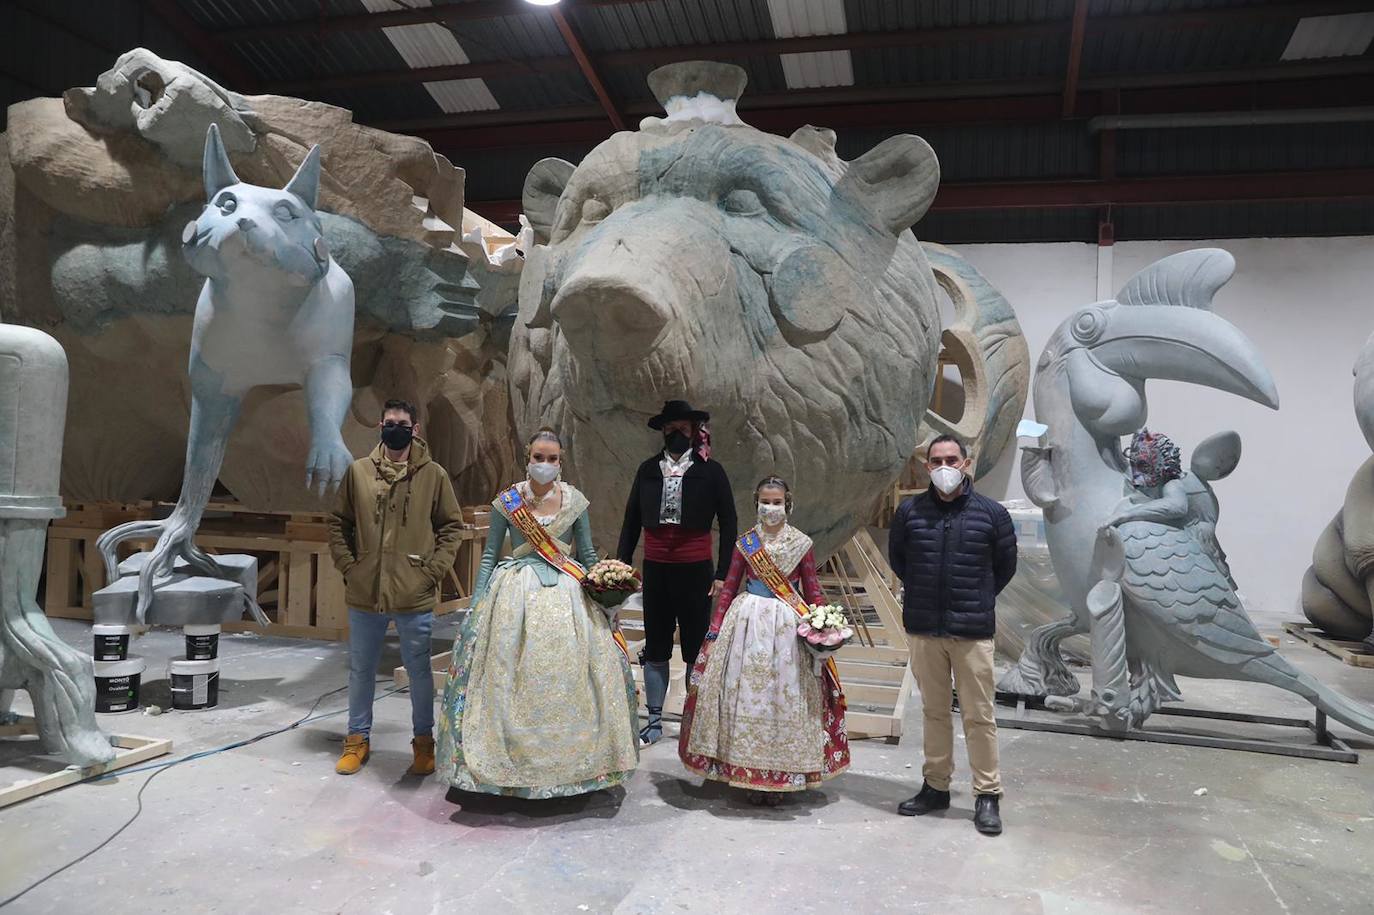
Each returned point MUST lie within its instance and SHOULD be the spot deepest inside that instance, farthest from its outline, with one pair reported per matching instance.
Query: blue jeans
(366, 634)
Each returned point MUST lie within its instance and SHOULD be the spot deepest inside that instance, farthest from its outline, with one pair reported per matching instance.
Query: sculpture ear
(217, 172)
(305, 184)
(544, 186)
(898, 178)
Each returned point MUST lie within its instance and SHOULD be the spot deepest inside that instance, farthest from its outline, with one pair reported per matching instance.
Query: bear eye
(228, 203)
(742, 202)
(595, 210)
(284, 212)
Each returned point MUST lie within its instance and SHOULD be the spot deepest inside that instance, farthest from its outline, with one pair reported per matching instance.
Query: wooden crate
(298, 586)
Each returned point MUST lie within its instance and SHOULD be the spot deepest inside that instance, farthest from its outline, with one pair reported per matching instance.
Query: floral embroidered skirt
(757, 716)
(540, 701)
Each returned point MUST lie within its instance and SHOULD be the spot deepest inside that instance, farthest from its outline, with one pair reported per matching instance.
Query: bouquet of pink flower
(826, 629)
(610, 582)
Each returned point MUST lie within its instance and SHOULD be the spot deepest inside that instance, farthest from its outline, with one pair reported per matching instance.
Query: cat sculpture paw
(326, 466)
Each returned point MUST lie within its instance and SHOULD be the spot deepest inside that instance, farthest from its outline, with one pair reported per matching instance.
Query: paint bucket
(202, 642)
(116, 684)
(195, 684)
(111, 642)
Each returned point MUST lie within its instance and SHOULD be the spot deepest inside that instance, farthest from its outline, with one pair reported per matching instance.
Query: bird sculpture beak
(1184, 344)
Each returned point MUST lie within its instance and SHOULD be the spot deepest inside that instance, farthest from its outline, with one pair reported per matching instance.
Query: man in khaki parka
(393, 536)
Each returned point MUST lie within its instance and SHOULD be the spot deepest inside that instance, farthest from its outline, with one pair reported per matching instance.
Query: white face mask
(542, 473)
(772, 514)
(947, 479)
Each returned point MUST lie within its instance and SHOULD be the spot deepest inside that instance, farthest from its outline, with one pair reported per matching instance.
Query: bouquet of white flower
(610, 582)
(826, 629)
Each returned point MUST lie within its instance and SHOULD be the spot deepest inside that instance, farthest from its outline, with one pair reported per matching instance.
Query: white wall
(1308, 304)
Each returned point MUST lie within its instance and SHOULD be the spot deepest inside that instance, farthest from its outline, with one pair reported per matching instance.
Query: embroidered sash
(538, 537)
(767, 571)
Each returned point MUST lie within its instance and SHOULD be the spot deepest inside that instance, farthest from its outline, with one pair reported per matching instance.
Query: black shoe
(987, 819)
(926, 801)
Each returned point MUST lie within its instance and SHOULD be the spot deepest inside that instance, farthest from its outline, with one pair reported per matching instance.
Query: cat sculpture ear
(218, 173)
(305, 184)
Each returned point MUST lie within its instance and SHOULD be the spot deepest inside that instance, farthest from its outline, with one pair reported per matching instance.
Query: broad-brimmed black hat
(675, 410)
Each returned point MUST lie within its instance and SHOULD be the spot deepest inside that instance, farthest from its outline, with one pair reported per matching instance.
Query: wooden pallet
(876, 676)
(298, 586)
(130, 751)
(1356, 654)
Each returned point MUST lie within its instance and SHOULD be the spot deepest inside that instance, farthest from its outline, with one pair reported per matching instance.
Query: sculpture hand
(326, 466)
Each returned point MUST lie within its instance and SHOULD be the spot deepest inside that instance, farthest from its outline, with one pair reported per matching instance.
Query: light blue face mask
(542, 472)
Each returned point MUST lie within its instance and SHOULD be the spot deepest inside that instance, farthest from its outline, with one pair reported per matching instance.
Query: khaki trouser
(934, 660)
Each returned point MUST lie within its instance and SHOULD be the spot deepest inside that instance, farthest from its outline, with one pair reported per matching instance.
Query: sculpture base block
(239, 567)
(185, 600)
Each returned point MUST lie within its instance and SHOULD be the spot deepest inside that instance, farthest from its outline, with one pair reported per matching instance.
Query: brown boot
(424, 756)
(355, 752)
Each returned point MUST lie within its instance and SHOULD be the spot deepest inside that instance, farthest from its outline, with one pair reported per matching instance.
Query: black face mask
(397, 438)
(677, 442)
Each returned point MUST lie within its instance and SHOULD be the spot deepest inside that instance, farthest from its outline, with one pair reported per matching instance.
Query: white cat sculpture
(275, 310)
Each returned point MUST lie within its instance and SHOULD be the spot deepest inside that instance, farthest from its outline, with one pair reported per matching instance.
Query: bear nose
(612, 318)
(245, 223)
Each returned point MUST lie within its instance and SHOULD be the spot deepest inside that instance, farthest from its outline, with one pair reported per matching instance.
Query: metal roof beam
(1080, 23)
(584, 63)
(1174, 190)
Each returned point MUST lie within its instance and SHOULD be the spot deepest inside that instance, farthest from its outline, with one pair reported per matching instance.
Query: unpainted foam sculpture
(59, 679)
(1338, 586)
(1141, 571)
(986, 344)
(95, 189)
(759, 277)
(275, 309)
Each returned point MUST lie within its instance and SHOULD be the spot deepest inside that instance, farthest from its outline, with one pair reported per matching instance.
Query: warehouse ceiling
(1057, 120)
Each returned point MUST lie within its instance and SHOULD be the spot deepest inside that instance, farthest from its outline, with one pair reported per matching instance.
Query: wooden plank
(330, 607)
(861, 725)
(322, 633)
(438, 665)
(1356, 654)
(92, 573)
(296, 610)
(61, 578)
(130, 751)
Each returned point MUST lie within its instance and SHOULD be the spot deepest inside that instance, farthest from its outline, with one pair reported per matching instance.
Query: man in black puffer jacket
(954, 551)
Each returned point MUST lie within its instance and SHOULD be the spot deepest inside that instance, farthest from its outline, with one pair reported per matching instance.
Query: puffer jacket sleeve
(1003, 548)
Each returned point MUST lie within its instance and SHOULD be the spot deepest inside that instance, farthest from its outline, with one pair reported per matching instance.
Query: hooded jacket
(395, 532)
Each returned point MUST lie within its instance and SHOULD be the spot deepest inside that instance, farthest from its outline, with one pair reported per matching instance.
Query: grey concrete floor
(1093, 826)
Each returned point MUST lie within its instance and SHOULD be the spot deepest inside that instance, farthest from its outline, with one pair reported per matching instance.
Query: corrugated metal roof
(1217, 150)
(1025, 225)
(671, 23)
(993, 152)
(1244, 220)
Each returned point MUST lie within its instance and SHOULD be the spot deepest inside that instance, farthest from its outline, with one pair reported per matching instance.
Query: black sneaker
(927, 800)
(987, 819)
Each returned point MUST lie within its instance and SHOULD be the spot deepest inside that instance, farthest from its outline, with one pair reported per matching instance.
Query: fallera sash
(539, 538)
(767, 571)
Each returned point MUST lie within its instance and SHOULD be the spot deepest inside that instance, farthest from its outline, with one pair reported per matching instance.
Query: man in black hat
(675, 497)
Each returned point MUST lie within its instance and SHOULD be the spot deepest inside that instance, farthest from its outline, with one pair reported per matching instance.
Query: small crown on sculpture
(690, 78)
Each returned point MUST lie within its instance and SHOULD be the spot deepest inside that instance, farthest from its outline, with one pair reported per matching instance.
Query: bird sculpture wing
(1169, 578)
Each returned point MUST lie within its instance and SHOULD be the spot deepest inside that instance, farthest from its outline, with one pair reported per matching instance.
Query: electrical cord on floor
(164, 766)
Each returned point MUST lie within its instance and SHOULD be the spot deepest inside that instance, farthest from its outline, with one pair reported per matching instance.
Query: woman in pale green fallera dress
(540, 701)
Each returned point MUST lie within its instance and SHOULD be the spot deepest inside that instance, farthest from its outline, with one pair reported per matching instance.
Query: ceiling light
(542, 2)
